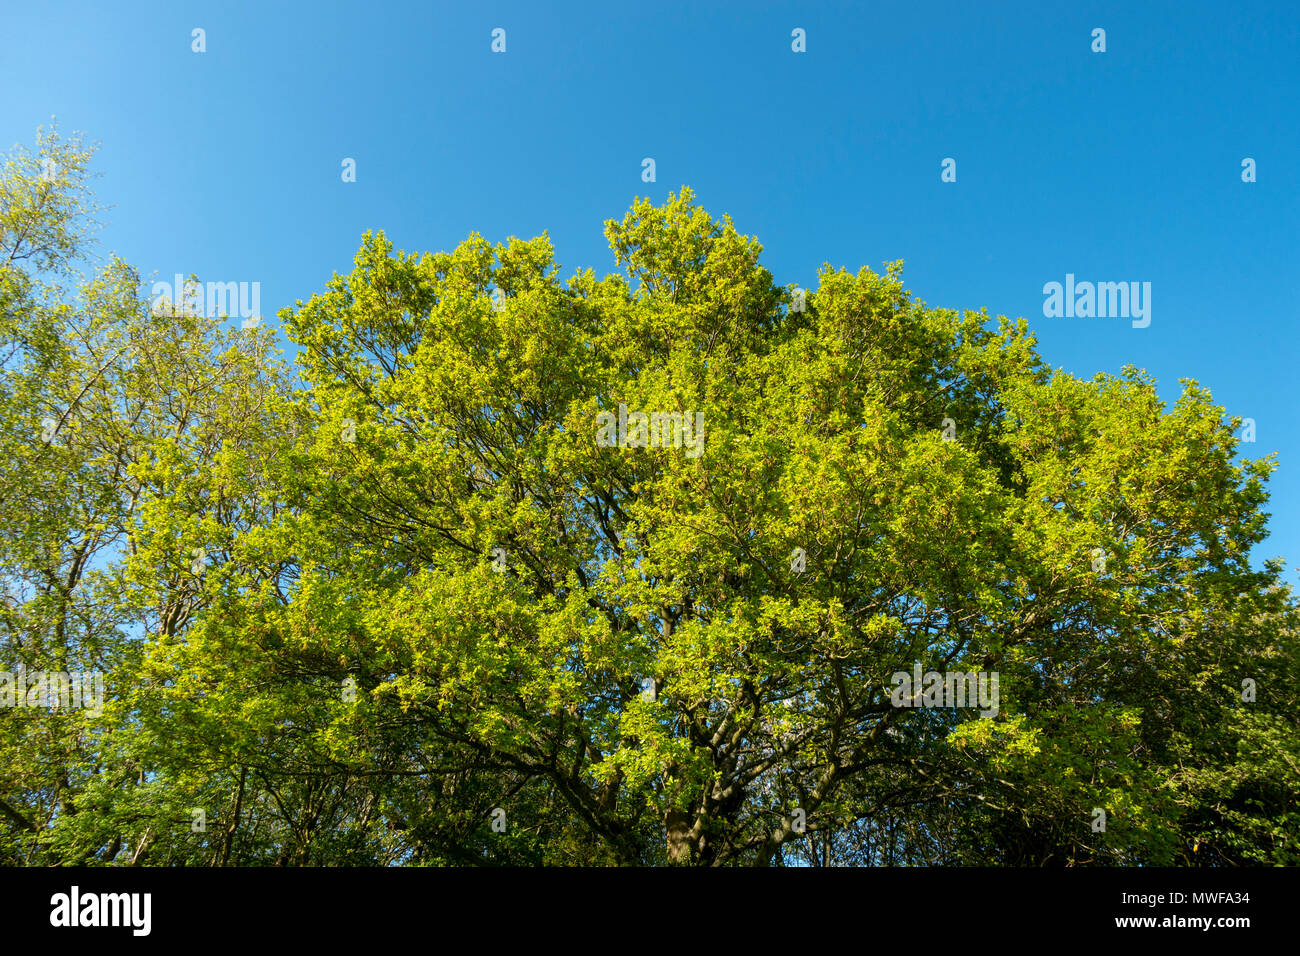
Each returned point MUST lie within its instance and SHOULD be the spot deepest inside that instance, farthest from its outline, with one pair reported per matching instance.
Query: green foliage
(428, 594)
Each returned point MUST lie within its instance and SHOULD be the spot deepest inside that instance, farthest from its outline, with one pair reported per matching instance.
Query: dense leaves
(389, 600)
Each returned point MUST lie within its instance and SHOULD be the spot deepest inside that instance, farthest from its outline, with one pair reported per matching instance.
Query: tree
(104, 403)
(620, 631)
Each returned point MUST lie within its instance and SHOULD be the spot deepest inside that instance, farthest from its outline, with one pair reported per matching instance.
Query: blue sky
(1115, 166)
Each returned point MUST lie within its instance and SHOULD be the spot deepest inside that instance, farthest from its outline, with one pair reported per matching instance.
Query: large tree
(649, 654)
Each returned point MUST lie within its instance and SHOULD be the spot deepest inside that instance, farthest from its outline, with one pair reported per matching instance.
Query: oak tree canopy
(381, 597)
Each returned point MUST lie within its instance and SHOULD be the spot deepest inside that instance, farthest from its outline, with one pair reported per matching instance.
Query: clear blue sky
(1117, 166)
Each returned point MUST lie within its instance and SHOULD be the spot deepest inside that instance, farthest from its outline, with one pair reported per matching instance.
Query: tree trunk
(679, 848)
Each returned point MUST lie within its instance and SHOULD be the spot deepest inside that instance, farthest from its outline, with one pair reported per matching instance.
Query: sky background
(1115, 166)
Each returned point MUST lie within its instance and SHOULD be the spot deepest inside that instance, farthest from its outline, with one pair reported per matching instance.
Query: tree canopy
(385, 598)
